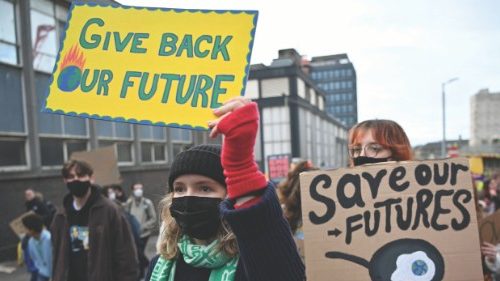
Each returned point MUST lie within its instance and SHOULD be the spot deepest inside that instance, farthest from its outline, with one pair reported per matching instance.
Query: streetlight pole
(443, 144)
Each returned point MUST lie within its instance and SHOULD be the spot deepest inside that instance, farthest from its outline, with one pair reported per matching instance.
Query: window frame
(116, 140)
(153, 141)
(17, 44)
(65, 142)
(18, 168)
(57, 20)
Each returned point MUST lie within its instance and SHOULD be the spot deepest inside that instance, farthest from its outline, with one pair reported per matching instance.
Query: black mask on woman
(361, 160)
(198, 217)
(78, 188)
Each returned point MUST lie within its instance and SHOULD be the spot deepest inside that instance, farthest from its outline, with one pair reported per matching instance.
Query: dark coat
(112, 253)
(267, 249)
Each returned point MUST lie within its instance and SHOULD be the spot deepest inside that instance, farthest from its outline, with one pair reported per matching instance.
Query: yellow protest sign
(151, 65)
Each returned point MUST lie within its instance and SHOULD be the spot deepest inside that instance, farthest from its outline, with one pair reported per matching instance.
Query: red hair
(388, 134)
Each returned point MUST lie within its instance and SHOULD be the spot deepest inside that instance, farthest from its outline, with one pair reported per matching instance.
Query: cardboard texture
(168, 67)
(17, 225)
(489, 228)
(393, 221)
(104, 163)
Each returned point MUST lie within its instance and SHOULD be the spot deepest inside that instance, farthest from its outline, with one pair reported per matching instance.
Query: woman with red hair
(374, 141)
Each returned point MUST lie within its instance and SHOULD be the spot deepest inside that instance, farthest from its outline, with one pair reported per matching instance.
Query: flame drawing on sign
(71, 70)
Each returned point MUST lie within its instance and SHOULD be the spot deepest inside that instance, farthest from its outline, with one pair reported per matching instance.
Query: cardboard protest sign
(164, 67)
(278, 165)
(489, 228)
(17, 224)
(404, 221)
(104, 164)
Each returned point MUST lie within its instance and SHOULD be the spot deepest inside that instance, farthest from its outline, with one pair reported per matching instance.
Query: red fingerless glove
(242, 173)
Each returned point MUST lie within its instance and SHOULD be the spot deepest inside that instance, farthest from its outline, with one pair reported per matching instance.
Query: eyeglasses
(371, 150)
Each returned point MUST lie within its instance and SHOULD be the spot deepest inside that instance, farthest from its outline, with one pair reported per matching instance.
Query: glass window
(123, 150)
(158, 133)
(159, 152)
(52, 151)
(56, 151)
(56, 124)
(104, 128)
(123, 130)
(153, 152)
(44, 6)
(61, 13)
(177, 147)
(180, 135)
(75, 126)
(43, 34)
(11, 100)
(47, 23)
(48, 123)
(114, 130)
(147, 132)
(8, 41)
(75, 146)
(111, 131)
(7, 22)
(8, 53)
(146, 154)
(13, 152)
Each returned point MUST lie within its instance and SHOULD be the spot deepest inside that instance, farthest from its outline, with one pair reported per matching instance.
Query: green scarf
(223, 267)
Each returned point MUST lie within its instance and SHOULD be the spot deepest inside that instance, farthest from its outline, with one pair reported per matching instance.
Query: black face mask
(361, 160)
(78, 188)
(198, 217)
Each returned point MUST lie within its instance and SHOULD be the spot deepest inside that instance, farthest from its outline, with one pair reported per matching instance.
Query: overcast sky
(402, 51)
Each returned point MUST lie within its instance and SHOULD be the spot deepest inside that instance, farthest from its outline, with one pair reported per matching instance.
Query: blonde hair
(170, 233)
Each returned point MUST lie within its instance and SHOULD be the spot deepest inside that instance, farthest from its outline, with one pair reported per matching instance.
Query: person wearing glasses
(375, 141)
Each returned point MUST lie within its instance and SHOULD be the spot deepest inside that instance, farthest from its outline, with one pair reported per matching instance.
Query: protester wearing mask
(92, 240)
(120, 194)
(221, 219)
(143, 210)
(375, 141)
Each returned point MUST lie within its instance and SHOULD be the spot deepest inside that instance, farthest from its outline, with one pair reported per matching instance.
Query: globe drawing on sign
(71, 68)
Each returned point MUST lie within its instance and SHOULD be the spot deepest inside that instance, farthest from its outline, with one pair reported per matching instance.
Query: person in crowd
(36, 204)
(289, 191)
(121, 196)
(39, 247)
(491, 196)
(143, 210)
(490, 251)
(374, 141)
(110, 193)
(91, 238)
(221, 219)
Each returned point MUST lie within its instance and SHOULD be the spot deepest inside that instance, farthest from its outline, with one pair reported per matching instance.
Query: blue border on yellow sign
(135, 121)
